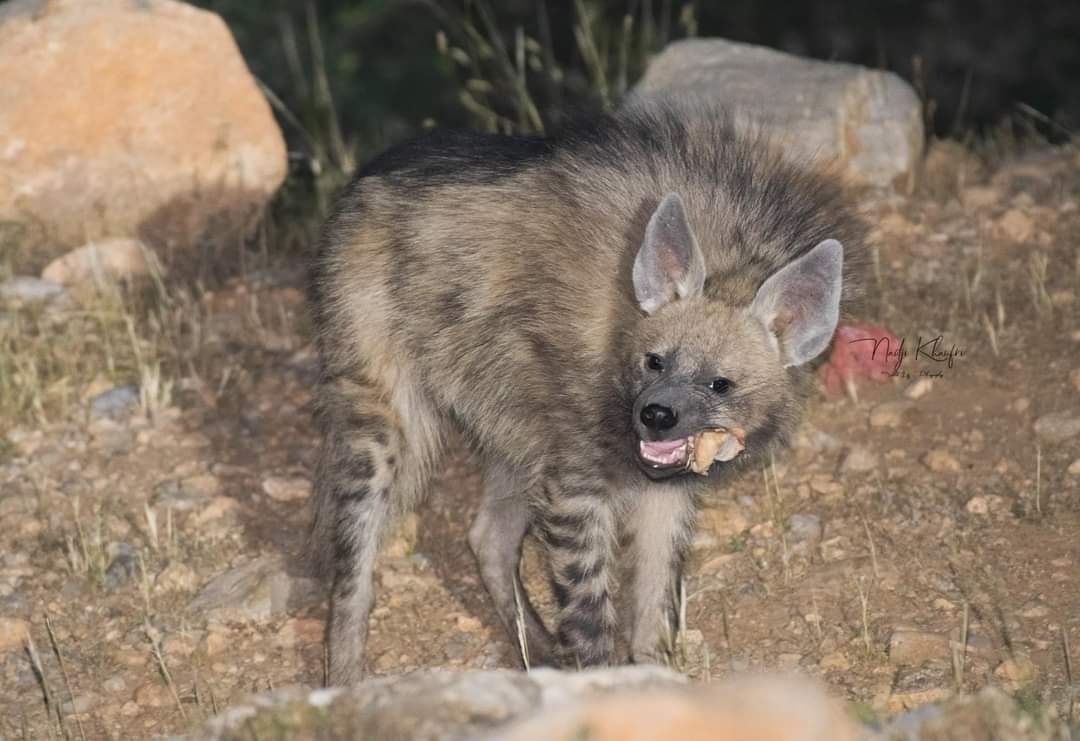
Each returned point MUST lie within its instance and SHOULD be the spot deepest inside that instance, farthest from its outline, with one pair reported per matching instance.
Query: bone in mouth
(720, 444)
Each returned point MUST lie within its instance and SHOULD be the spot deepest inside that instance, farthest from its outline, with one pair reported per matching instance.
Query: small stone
(941, 461)
(914, 647)
(1074, 468)
(919, 388)
(114, 684)
(287, 489)
(25, 289)
(468, 624)
(723, 520)
(153, 695)
(129, 708)
(108, 259)
(1057, 427)
(859, 459)
(1014, 225)
(256, 590)
(979, 196)
(1017, 672)
(805, 532)
(889, 414)
(1074, 379)
(177, 577)
(13, 634)
(910, 699)
(115, 403)
(826, 485)
(1036, 610)
(123, 565)
(295, 631)
(985, 504)
(216, 642)
(835, 662)
(834, 549)
(179, 645)
(217, 509)
(80, 704)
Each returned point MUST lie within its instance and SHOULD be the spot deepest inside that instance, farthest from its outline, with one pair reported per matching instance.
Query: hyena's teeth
(664, 452)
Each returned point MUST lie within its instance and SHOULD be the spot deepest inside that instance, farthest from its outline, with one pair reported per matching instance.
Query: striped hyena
(582, 308)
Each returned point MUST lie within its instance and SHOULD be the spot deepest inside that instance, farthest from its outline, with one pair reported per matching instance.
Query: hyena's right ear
(669, 265)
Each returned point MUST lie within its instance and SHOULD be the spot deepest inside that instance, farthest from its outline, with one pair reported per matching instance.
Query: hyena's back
(484, 281)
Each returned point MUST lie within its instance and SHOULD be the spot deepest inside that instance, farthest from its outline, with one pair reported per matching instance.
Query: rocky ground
(920, 541)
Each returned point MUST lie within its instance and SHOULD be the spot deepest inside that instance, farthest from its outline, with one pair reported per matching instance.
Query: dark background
(979, 64)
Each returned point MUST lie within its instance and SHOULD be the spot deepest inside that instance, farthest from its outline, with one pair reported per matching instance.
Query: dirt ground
(926, 512)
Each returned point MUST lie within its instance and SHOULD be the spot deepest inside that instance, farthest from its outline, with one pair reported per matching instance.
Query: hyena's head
(701, 365)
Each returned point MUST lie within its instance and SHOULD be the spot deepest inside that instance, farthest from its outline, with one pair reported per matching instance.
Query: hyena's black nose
(657, 417)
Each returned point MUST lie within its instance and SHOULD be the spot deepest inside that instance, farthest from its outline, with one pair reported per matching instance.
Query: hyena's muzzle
(671, 419)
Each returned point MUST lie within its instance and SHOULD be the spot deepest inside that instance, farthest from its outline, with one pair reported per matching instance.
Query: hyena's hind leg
(496, 538)
(371, 468)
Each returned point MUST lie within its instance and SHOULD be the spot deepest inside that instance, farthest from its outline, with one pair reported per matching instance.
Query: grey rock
(1057, 427)
(870, 120)
(123, 565)
(424, 705)
(25, 289)
(257, 590)
(115, 403)
(804, 533)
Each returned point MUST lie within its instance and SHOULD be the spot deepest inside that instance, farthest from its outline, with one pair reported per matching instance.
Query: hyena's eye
(654, 362)
(720, 385)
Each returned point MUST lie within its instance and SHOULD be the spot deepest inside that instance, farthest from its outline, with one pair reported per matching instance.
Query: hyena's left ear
(800, 302)
(669, 264)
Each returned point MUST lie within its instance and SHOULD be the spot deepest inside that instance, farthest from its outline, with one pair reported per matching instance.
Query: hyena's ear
(800, 303)
(669, 264)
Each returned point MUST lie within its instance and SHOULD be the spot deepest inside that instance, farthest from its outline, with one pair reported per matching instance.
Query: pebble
(805, 532)
(1015, 225)
(909, 647)
(123, 565)
(1017, 672)
(984, 504)
(115, 683)
(919, 388)
(287, 489)
(908, 699)
(1074, 468)
(177, 577)
(835, 661)
(153, 695)
(941, 461)
(723, 520)
(1074, 379)
(859, 459)
(1057, 427)
(80, 704)
(296, 631)
(13, 633)
(468, 624)
(116, 403)
(889, 414)
(826, 485)
(26, 289)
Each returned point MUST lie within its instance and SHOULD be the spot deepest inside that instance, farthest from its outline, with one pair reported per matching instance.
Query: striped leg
(371, 466)
(578, 528)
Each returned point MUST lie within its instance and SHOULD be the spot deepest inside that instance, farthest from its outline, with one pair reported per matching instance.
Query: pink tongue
(662, 447)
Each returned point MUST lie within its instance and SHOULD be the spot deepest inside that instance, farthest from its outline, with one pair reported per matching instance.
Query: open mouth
(697, 453)
(665, 453)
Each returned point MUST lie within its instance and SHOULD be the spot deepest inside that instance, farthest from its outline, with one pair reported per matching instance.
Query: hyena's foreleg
(660, 524)
(577, 525)
(496, 537)
(369, 467)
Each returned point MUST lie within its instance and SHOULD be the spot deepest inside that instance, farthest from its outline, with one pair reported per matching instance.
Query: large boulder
(130, 119)
(869, 120)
